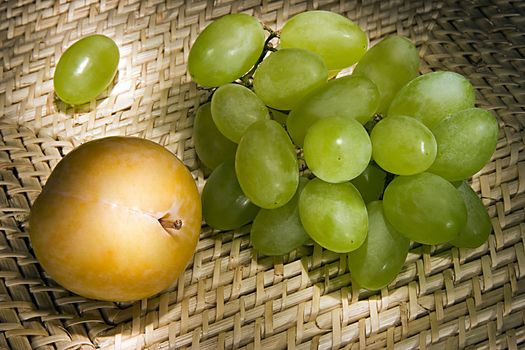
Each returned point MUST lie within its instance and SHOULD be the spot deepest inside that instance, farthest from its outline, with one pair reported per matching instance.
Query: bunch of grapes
(387, 151)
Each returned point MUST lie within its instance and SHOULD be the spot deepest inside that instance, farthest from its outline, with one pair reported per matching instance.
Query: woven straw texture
(230, 297)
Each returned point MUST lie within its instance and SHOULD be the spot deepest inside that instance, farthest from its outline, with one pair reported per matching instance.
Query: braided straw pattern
(230, 297)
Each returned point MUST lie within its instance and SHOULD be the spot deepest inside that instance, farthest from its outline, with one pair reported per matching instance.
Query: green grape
(279, 231)
(478, 226)
(279, 116)
(381, 256)
(211, 146)
(224, 205)
(425, 208)
(266, 165)
(432, 97)
(370, 183)
(403, 145)
(334, 215)
(465, 143)
(338, 40)
(390, 64)
(234, 108)
(347, 97)
(337, 149)
(86, 69)
(287, 75)
(226, 50)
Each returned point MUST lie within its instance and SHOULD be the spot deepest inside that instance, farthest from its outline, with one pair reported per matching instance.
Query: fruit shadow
(63, 107)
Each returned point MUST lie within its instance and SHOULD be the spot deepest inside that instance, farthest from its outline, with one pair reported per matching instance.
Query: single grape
(432, 97)
(478, 226)
(337, 149)
(224, 205)
(370, 183)
(211, 146)
(390, 64)
(234, 108)
(266, 165)
(279, 231)
(338, 40)
(287, 75)
(279, 116)
(381, 256)
(347, 97)
(425, 208)
(226, 50)
(465, 143)
(334, 215)
(86, 69)
(403, 145)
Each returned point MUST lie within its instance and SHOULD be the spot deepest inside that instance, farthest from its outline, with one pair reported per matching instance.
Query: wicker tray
(229, 297)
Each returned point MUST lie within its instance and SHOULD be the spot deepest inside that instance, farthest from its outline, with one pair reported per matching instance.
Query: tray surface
(230, 297)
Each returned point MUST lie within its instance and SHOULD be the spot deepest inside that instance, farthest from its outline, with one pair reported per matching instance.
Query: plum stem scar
(170, 224)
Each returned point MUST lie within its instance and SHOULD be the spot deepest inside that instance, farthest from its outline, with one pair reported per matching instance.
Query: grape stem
(369, 126)
(246, 79)
(372, 122)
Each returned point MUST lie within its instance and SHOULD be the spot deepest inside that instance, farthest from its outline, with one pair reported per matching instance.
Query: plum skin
(101, 226)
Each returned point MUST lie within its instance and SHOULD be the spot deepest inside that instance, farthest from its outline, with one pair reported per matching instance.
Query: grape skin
(266, 165)
(334, 215)
(279, 231)
(225, 50)
(287, 75)
(338, 40)
(432, 97)
(381, 256)
(425, 208)
(403, 145)
(390, 64)
(336, 149)
(224, 205)
(211, 146)
(85, 69)
(234, 108)
(472, 132)
(347, 97)
(478, 226)
(370, 183)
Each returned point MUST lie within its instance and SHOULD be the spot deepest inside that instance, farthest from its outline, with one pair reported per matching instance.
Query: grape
(370, 183)
(334, 215)
(86, 69)
(226, 50)
(211, 146)
(465, 142)
(338, 40)
(381, 256)
(234, 108)
(266, 165)
(279, 116)
(432, 97)
(224, 205)
(425, 208)
(279, 231)
(478, 226)
(347, 97)
(337, 149)
(390, 64)
(287, 75)
(403, 145)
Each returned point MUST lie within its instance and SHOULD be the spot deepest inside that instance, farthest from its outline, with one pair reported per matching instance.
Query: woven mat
(228, 296)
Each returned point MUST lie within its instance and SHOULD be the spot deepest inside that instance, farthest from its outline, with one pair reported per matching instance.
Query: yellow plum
(118, 219)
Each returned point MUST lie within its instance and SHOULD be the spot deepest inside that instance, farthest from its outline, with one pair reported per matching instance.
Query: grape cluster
(387, 150)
